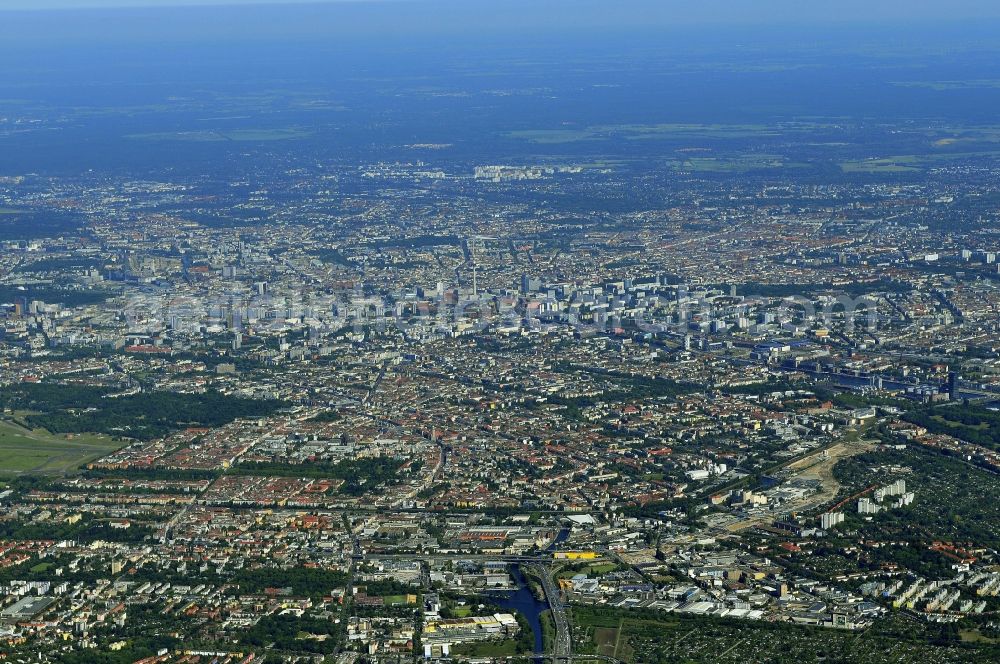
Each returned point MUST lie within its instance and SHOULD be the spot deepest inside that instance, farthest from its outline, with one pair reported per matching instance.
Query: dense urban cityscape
(646, 392)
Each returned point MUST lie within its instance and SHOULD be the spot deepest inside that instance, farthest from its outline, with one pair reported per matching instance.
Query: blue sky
(81, 4)
(426, 19)
(86, 4)
(669, 11)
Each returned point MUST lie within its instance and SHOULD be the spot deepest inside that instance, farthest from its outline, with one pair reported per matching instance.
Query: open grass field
(737, 164)
(901, 164)
(597, 569)
(975, 636)
(609, 642)
(981, 426)
(235, 135)
(395, 599)
(462, 611)
(721, 149)
(23, 450)
(685, 131)
(553, 136)
(909, 163)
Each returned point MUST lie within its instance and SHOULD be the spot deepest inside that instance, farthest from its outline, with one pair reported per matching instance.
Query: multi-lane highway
(562, 648)
(561, 651)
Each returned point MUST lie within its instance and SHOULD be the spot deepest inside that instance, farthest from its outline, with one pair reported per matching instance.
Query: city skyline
(439, 332)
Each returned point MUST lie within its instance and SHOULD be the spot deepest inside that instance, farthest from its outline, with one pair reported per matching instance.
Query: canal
(523, 601)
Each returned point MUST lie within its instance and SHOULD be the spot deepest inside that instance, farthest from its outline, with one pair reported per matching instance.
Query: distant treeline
(290, 633)
(331, 256)
(32, 224)
(54, 295)
(58, 264)
(973, 424)
(77, 409)
(327, 416)
(359, 475)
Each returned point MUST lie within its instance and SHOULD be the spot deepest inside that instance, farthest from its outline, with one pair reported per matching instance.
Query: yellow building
(575, 555)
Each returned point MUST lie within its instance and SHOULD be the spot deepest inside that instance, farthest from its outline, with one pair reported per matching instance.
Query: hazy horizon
(58, 23)
(644, 12)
